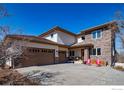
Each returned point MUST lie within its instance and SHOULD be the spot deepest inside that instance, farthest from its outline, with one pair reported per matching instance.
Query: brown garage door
(38, 56)
(62, 56)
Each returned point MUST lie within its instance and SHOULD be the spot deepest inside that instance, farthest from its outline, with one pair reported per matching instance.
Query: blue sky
(35, 19)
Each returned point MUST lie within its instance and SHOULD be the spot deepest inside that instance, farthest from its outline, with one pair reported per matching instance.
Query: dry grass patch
(120, 68)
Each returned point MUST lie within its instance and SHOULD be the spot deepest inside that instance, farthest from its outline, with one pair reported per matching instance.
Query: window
(98, 51)
(96, 34)
(71, 53)
(83, 37)
(51, 35)
(35, 50)
(90, 51)
(95, 51)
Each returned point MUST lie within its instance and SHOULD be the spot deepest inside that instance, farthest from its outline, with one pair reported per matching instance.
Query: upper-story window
(96, 34)
(83, 37)
(51, 35)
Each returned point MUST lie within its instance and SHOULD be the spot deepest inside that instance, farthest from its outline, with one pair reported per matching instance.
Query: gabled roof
(40, 39)
(33, 39)
(96, 27)
(57, 28)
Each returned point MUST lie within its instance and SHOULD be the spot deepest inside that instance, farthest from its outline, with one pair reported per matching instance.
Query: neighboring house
(59, 45)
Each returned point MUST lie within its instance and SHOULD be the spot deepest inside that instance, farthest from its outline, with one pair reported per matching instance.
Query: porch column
(86, 54)
(56, 55)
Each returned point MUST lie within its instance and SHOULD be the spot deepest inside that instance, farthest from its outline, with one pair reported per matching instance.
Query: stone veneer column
(56, 56)
(86, 54)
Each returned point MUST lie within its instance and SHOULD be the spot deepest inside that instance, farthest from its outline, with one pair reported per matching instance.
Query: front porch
(80, 53)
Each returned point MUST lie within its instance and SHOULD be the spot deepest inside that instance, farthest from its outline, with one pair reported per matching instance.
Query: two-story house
(59, 45)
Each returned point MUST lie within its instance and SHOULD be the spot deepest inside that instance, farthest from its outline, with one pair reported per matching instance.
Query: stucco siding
(66, 39)
(61, 38)
(79, 39)
(54, 38)
(77, 52)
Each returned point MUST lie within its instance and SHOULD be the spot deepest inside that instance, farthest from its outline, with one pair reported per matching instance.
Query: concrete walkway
(77, 74)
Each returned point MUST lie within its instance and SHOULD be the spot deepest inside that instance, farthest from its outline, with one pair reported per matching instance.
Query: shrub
(120, 68)
(102, 62)
(93, 61)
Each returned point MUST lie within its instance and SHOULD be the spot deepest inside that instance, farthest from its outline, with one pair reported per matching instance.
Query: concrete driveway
(75, 74)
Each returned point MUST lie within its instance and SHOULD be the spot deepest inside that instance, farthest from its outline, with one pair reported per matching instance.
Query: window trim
(96, 51)
(93, 34)
(96, 34)
(72, 53)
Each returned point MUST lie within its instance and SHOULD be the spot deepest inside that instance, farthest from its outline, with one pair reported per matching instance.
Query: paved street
(76, 74)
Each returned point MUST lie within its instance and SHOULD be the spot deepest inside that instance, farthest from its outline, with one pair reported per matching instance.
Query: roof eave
(96, 27)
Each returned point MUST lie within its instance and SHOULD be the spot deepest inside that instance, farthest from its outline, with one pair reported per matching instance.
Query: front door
(82, 54)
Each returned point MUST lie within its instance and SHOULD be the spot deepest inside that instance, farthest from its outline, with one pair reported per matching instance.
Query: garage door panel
(35, 56)
(62, 56)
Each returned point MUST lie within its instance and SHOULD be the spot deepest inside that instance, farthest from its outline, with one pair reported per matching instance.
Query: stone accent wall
(105, 43)
(86, 54)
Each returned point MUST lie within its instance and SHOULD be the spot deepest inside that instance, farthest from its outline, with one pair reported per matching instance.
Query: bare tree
(13, 49)
(3, 11)
(120, 35)
(3, 32)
